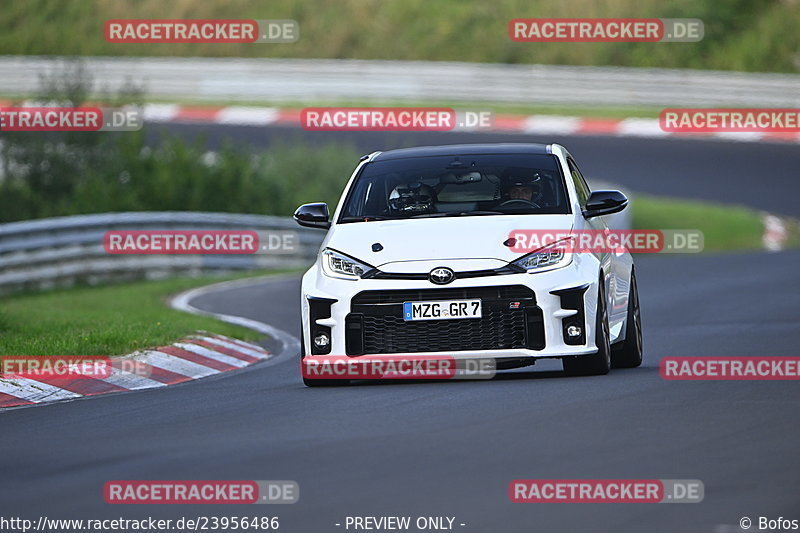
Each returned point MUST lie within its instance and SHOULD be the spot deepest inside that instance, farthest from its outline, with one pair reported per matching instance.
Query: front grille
(503, 292)
(375, 324)
(504, 270)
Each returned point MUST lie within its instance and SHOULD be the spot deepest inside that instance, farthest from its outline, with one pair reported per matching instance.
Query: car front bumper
(514, 324)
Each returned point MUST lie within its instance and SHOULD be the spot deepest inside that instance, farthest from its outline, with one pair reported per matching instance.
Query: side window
(580, 184)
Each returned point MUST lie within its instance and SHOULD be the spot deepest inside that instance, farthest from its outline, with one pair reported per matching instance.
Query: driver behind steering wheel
(525, 188)
(412, 199)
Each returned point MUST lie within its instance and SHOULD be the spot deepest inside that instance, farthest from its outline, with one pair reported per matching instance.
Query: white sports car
(418, 260)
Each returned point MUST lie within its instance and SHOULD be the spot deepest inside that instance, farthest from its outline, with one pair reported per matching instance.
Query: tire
(317, 382)
(599, 363)
(628, 353)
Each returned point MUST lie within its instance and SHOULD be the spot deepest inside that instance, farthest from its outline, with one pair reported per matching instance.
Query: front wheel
(628, 354)
(598, 363)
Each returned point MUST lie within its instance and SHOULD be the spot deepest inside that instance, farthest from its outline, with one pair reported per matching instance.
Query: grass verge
(725, 227)
(108, 320)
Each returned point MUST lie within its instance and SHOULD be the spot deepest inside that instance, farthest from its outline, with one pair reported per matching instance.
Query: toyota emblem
(441, 276)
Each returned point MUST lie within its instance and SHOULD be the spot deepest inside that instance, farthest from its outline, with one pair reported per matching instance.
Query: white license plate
(441, 310)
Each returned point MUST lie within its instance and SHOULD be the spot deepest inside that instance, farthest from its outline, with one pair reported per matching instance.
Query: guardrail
(65, 251)
(330, 80)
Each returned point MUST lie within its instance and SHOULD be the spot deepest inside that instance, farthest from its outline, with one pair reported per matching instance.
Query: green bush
(752, 35)
(121, 172)
(45, 175)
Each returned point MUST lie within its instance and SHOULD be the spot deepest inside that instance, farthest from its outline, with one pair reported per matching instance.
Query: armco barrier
(64, 251)
(332, 80)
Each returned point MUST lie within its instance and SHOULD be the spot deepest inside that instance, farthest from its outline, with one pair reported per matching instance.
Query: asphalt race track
(451, 448)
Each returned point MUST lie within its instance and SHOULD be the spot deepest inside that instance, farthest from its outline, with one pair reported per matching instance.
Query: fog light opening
(322, 341)
(573, 331)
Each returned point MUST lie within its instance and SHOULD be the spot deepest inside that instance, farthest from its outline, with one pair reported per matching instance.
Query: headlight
(338, 265)
(551, 256)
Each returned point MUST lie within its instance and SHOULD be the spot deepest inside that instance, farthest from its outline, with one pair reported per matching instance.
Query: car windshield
(464, 185)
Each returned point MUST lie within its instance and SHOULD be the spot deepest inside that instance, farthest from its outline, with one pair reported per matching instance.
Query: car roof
(463, 149)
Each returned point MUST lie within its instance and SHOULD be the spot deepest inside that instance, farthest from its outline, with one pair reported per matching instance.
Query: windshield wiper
(362, 219)
(458, 214)
(473, 213)
(430, 215)
(422, 215)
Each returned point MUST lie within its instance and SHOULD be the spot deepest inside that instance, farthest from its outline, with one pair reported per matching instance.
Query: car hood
(440, 239)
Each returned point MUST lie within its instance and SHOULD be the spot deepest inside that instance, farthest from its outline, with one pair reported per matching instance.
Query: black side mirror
(604, 203)
(313, 215)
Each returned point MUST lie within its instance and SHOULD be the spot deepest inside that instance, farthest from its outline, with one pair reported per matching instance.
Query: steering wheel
(520, 202)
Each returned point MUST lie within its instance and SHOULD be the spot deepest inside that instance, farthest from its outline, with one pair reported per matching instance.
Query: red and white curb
(195, 357)
(528, 124)
(502, 123)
